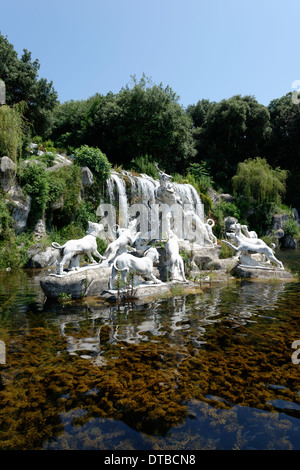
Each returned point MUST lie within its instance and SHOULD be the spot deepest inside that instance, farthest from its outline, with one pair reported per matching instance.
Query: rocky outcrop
(87, 282)
(285, 240)
(250, 272)
(19, 206)
(41, 257)
(7, 173)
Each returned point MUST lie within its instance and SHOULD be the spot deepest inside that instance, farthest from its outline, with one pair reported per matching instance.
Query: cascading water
(146, 189)
(190, 196)
(124, 188)
(122, 199)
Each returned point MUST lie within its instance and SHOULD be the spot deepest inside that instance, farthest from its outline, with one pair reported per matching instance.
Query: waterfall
(110, 190)
(146, 188)
(125, 189)
(123, 202)
(189, 195)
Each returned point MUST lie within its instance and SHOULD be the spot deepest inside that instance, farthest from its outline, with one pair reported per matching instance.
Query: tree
(258, 189)
(198, 112)
(152, 122)
(143, 119)
(256, 179)
(23, 85)
(94, 159)
(231, 131)
(283, 148)
(11, 130)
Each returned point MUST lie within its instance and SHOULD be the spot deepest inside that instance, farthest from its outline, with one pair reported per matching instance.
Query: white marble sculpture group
(134, 252)
(248, 244)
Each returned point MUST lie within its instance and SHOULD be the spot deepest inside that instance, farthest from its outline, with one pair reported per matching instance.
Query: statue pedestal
(142, 291)
(88, 281)
(262, 272)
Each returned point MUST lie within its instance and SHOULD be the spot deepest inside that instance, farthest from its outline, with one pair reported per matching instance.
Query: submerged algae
(154, 386)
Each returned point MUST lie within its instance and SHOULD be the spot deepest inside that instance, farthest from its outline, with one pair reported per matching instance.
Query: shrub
(200, 172)
(65, 183)
(256, 179)
(144, 165)
(291, 228)
(6, 220)
(220, 211)
(11, 130)
(94, 159)
(35, 182)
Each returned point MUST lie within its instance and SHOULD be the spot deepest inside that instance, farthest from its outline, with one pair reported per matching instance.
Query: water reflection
(160, 372)
(90, 327)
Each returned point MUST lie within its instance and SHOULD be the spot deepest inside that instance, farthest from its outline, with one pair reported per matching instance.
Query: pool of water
(213, 370)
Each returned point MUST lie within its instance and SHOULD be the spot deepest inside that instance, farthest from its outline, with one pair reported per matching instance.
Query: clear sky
(210, 49)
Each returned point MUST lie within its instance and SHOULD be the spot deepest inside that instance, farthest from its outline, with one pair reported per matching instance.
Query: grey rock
(296, 216)
(41, 257)
(7, 173)
(228, 222)
(87, 177)
(278, 221)
(289, 242)
(86, 282)
(19, 205)
(279, 233)
(227, 197)
(257, 273)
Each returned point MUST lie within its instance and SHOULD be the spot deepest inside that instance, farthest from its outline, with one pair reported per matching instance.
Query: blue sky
(210, 49)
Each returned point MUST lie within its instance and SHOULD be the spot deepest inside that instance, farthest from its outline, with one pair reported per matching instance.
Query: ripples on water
(201, 371)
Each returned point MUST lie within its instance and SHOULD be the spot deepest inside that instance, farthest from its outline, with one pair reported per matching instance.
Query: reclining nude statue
(70, 252)
(127, 263)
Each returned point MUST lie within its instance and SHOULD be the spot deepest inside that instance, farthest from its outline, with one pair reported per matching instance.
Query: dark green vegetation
(235, 146)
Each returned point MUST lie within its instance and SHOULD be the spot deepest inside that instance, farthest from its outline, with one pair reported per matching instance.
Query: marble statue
(127, 263)
(70, 252)
(125, 236)
(248, 247)
(201, 229)
(165, 193)
(174, 261)
(251, 234)
(236, 228)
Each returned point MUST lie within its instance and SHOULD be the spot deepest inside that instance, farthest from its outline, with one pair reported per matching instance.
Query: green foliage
(222, 210)
(94, 159)
(256, 179)
(65, 185)
(13, 250)
(85, 213)
(226, 251)
(23, 85)
(143, 119)
(6, 221)
(35, 182)
(229, 130)
(11, 130)
(291, 228)
(201, 174)
(144, 165)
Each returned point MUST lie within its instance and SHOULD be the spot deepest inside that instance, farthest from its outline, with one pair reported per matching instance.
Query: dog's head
(94, 228)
